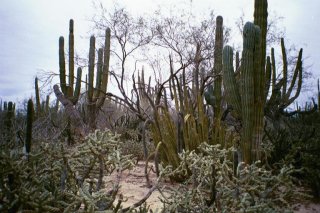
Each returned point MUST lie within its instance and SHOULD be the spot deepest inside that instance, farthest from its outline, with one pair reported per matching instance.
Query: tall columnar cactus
(257, 74)
(37, 92)
(217, 67)
(213, 93)
(242, 95)
(97, 95)
(68, 89)
(30, 111)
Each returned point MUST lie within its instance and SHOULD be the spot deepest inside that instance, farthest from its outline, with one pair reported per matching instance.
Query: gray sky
(30, 29)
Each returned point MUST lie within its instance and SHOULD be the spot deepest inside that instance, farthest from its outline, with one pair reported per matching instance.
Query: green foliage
(212, 186)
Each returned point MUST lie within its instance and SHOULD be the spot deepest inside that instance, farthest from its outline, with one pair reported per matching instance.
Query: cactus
(37, 92)
(68, 90)
(217, 68)
(47, 104)
(229, 81)
(247, 87)
(209, 96)
(281, 95)
(30, 111)
(97, 95)
(248, 104)
(257, 74)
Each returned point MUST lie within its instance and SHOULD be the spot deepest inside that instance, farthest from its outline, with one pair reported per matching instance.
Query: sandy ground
(134, 188)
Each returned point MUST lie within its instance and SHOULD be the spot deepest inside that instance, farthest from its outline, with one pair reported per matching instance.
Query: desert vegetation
(212, 127)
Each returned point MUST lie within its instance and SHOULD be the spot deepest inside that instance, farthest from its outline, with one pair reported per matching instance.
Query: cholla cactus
(213, 188)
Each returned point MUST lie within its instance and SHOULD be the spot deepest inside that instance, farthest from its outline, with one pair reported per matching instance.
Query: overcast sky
(30, 29)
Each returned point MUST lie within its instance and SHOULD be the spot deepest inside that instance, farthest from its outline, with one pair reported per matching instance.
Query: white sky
(30, 29)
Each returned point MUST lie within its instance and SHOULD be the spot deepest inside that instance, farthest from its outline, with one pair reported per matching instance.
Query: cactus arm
(62, 66)
(229, 80)
(78, 86)
(217, 67)
(99, 74)
(71, 55)
(275, 86)
(38, 105)
(297, 72)
(261, 20)
(105, 70)
(91, 69)
(285, 69)
(268, 78)
(174, 93)
(274, 71)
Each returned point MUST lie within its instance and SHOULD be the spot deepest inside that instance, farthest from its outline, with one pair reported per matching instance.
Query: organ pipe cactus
(257, 74)
(97, 95)
(68, 89)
